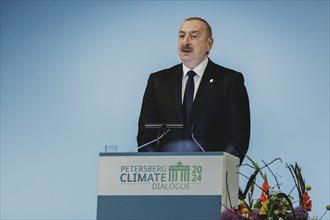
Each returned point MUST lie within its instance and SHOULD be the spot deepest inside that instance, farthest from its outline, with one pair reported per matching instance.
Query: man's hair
(208, 27)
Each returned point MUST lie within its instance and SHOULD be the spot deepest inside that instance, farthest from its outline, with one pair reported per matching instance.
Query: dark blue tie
(188, 98)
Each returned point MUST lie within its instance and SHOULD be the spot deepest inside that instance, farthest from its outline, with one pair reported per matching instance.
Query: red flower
(265, 188)
(305, 197)
(307, 202)
(308, 205)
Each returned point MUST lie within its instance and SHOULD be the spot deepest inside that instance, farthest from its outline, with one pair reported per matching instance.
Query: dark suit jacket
(220, 118)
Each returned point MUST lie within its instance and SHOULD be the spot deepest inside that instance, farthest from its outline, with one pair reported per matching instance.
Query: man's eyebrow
(193, 32)
(190, 32)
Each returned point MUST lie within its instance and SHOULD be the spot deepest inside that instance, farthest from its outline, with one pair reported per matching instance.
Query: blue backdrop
(73, 75)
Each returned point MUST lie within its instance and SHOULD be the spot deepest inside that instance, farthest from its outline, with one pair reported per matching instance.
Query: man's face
(194, 44)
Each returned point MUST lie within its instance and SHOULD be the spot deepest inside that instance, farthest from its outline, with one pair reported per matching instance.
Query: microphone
(193, 137)
(159, 126)
(162, 128)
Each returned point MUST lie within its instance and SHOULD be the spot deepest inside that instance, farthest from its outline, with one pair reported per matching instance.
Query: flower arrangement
(272, 203)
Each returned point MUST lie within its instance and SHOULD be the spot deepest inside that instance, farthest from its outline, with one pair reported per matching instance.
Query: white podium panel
(178, 185)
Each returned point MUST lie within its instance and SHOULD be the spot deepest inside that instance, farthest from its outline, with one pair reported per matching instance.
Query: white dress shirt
(199, 70)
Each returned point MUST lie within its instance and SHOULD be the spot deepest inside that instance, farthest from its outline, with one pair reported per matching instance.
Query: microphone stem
(150, 142)
(193, 137)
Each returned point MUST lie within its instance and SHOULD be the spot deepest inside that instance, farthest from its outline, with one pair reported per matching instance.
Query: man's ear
(210, 44)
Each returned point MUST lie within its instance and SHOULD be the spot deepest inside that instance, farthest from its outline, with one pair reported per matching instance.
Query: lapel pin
(211, 80)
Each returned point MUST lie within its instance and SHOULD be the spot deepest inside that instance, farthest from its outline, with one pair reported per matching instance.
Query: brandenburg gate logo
(179, 172)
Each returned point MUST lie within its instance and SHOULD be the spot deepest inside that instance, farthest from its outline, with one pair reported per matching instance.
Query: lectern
(166, 185)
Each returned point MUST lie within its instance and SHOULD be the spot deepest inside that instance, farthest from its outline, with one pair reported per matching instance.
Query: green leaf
(256, 166)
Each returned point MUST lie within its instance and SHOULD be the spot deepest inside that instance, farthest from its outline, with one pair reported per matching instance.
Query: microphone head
(162, 125)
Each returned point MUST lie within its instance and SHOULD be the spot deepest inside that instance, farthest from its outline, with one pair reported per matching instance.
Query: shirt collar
(199, 70)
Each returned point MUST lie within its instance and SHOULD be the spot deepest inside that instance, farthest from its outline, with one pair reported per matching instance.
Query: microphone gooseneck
(193, 137)
(163, 131)
(159, 137)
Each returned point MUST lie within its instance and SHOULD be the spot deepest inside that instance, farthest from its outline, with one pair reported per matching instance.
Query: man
(219, 118)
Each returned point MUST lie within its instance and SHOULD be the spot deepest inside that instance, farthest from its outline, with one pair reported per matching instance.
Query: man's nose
(186, 40)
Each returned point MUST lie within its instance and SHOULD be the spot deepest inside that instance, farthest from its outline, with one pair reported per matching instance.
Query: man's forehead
(191, 26)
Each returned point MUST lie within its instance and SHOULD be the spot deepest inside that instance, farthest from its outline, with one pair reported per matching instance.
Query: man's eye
(194, 36)
(181, 36)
